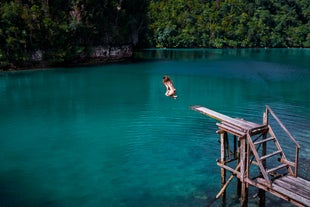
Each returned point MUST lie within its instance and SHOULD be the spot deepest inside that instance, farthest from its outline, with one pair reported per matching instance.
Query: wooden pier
(254, 155)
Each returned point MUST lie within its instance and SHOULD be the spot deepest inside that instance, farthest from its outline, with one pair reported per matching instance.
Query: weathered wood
(258, 130)
(223, 159)
(231, 130)
(264, 140)
(242, 159)
(276, 168)
(223, 187)
(211, 113)
(244, 195)
(262, 192)
(271, 154)
(291, 194)
(296, 161)
(292, 164)
(283, 157)
(293, 187)
(223, 118)
(227, 183)
(261, 184)
(293, 191)
(236, 126)
(235, 146)
(282, 126)
(260, 164)
(248, 123)
(297, 182)
(295, 173)
(229, 168)
(290, 188)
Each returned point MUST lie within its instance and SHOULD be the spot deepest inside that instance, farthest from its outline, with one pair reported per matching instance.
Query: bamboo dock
(253, 162)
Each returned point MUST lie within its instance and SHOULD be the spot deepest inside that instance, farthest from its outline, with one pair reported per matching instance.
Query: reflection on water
(108, 136)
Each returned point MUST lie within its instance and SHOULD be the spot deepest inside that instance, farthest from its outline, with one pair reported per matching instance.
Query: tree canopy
(65, 29)
(229, 23)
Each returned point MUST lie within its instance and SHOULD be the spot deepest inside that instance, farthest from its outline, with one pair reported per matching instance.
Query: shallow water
(108, 136)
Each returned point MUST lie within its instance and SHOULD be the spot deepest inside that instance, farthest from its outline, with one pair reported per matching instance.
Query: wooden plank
(242, 124)
(298, 182)
(264, 140)
(254, 127)
(238, 127)
(233, 131)
(261, 183)
(270, 155)
(249, 124)
(276, 168)
(222, 117)
(212, 114)
(230, 169)
(306, 182)
(293, 187)
(291, 195)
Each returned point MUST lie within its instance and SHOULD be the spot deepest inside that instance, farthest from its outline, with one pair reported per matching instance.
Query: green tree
(13, 34)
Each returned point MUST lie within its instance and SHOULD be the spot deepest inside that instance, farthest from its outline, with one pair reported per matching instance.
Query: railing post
(296, 161)
(265, 120)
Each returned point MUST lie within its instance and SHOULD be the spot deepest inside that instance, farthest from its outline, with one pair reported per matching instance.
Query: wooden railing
(294, 164)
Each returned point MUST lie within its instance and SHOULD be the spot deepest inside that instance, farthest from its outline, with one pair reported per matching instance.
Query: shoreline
(98, 56)
(41, 66)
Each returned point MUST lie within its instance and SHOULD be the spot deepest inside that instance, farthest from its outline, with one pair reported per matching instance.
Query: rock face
(113, 53)
(96, 55)
(37, 56)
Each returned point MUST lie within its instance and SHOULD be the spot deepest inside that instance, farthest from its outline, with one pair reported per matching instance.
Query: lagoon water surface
(108, 136)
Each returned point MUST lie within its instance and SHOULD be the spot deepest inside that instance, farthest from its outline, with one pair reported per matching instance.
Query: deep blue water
(108, 136)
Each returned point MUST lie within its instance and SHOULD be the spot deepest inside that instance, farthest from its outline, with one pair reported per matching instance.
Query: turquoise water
(108, 136)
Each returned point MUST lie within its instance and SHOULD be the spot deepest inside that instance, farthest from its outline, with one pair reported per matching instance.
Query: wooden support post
(261, 192)
(235, 147)
(244, 195)
(261, 198)
(223, 158)
(238, 180)
(243, 168)
(228, 151)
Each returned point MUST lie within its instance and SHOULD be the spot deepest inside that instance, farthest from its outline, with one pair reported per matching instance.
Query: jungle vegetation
(65, 29)
(229, 23)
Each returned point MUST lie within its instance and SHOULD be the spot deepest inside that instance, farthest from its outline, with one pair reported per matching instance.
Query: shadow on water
(16, 190)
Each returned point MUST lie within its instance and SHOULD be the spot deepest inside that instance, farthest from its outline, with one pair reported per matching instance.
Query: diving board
(255, 144)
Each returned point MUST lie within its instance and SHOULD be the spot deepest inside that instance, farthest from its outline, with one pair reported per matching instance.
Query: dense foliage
(230, 23)
(66, 29)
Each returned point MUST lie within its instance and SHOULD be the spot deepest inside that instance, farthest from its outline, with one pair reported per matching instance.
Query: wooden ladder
(262, 158)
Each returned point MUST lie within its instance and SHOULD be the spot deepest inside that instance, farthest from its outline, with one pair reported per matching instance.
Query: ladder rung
(264, 140)
(271, 154)
(276, 168)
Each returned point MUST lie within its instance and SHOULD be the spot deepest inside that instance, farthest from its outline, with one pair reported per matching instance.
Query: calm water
(108, 136)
